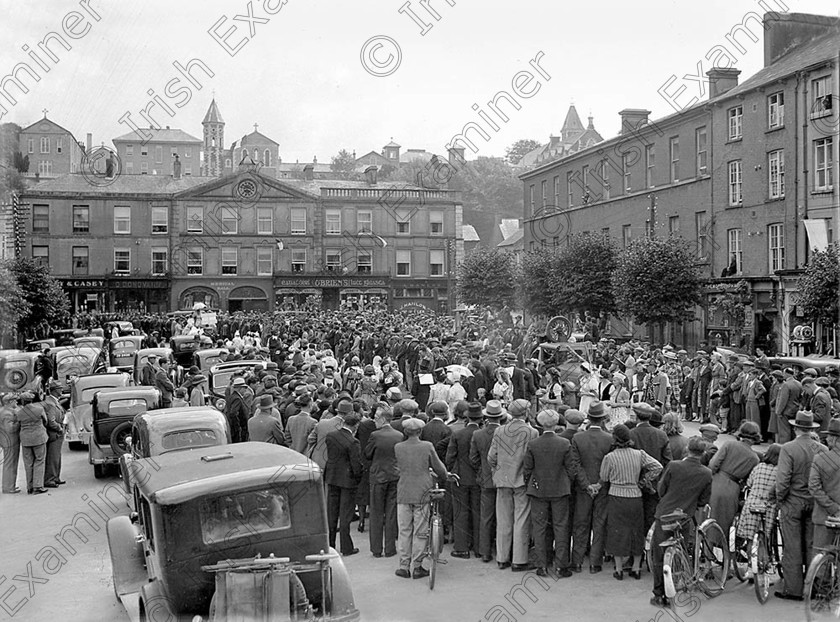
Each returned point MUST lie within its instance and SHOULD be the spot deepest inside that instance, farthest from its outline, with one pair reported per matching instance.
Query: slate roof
(508, 227)
(470, 234)
(213, 115)
(163, 135)
(79, 185)
(512, 240)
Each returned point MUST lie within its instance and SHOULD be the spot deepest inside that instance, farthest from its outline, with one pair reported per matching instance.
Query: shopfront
(744, 314)
(428, 292)
(86, 294)
(352, 293)
(138, 294)
(208, 296)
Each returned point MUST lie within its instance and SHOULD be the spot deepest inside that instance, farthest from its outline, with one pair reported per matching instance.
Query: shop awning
(817, 229)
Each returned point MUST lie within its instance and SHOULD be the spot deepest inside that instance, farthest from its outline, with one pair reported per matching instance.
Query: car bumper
(101, 455)
(78, 437)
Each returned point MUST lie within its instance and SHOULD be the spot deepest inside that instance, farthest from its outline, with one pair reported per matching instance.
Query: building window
(122, 260)
(532, 191)
(227, 163)
(735, 196)
(158, 155)
(45, 168)
(160, 261)
(364, 222)
(544, 189)
(122, 219)
(585, 178)
(173, 151)
(195, 219)
(776, 173)
(701, 234)
(436, 223)
(605, 179)
(230, 222)
(733, 237)
(436, 262)
(364, 262)
(187, 170)
(81, 219)
(30, 143)
(59, 145)
(265, 220)
(625, 172)
(195, 261)
(674, 225)
(403, 263)
(144, 150)
(160, 220)
(674, 149)
(821, 101)
(626, 235)
(45, 144)
(144, 168)
(333, 222)
(41, 256)
(298, 260)
(403, 222)
(299, 221)
(605, 233)
(187, 152)
(650, 164)
(570, 190)
(265, 261)
(776, 240)
(736, 120)
(40, 218)
(824, 164)
(332, 260)
(267, 157)
(80, 260)
(129, 168)
(775, 110)
(556, 191)
(701, 144)
(230, 259)
(129, 150)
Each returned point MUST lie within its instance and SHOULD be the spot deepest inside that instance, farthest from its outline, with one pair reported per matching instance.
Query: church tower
(214, 142)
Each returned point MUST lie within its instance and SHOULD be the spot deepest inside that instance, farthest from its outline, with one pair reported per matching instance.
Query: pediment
(247, 186)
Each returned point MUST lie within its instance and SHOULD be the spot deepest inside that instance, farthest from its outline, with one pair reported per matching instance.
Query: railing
(379, 193)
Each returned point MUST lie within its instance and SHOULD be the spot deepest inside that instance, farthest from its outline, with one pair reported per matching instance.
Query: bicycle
(709, 567)
(764, 555)
(822, 582)
(434, 532)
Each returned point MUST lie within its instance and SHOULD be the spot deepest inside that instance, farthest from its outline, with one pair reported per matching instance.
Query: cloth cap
(413, 424)
(573, 416)
(822, 381)
(810, 371)
(518, 408)
(644, 410)
(239, 381)
(266, 401)
(596, 409)
(710, 427)
(548, 418)
(393, 394)
(439, 409)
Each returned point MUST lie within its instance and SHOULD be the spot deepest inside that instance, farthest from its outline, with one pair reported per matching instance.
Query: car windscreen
(244, 514)
(222, 379)
(87, 394)
(125, 407)
(123, 346)
(75, 363)
(188, 439)
(208, 361)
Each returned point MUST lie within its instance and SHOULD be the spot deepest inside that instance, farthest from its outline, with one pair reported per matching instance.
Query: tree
(48, 303)
(21, 162)
(656, 280)
(538, 268)
(819, 286)
(343, 164)
(517, 150)
(490, 185)
(583, 279)
(13, 305)
(487, 277)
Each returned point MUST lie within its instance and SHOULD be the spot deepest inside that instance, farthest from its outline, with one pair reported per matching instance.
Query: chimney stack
(456, 157)
(89, 142)
(722, 80)
(176, 167)
(309, 172)
(370, 174)
(632, 119)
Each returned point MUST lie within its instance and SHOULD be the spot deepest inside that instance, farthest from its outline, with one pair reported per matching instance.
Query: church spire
(214, 142)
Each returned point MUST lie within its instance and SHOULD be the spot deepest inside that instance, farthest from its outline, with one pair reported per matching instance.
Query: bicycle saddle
(437, 493)
(832, 523)
(675, 517)
(758, 509)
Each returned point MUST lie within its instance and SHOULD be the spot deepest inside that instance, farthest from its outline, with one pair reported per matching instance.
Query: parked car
(799, 363)
(112, 413)
(206, 359)
(17, 371)
(89, 341)
(221, 375)
(141, 356)
(184, 347)
(82, 391)
(165, 430)
(230, 532)
(89, 332)
(121, 351)
(73, 361)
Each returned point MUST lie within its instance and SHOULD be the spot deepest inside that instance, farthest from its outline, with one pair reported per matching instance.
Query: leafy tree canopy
(488, 277)
(819, 287)
(517, 150)
(343, 163)
(13, 305)
(48, 303)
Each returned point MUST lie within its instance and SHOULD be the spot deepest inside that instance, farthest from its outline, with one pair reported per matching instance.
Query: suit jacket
(344, 462)
(685, 484)
(437, 433)
(821, 407)
(379, 450)
(507, 453)
(55, 417)
(548, 468)
(363, 432)
(479, 446)
(568, 434)
(298, 429)
(317, 439)
(653, 441)
(397, 425)
(458, 455)
(789, 398)
(589, 448)
(793, 474)
(164, 385)
(33, 424)
(824, 484)
(518, 381)
(267, 429)
(414, 459)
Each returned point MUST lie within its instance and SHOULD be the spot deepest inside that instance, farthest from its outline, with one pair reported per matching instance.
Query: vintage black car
(184, 348)
(235, 532)
(73, 361)
(221, 376)
(121, 351)
(82, 391)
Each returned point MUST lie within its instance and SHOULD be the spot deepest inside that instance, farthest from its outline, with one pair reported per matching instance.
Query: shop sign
(338, 282)
(81, 283)
(138, 284)
(749, 318)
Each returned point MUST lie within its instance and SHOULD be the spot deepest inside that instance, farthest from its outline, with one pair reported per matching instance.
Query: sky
(311, 73)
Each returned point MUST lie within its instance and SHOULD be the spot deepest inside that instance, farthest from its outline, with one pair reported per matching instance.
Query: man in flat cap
(821, 403)
(479, 448)
(788, 402)
(466, 497)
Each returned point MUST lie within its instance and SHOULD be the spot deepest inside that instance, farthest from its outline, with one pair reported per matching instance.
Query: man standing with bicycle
(824, 484)
(685, 484)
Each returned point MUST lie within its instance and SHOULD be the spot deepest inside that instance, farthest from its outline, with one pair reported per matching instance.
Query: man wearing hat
(709, 432)
(237, 410)
(821, 403)
(787, 405)
(342, 474)
(655, 443)
(796, 503)
(384, 475)
(33, 440)
(479, 447)
(55, 432)
(549, 469)
(317, 448)
(572, 419)
(148, 371)
(393, 395)
(300, 426)
(9, 443)
(824, 485)
(590, 516)
(466, 497)
(506, 457)
(414, 459)
(264, 426)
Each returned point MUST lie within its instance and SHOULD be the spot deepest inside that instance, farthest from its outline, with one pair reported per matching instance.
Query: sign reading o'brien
(348, 282)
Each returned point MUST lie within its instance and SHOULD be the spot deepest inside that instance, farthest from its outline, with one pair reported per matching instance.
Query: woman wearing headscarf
(731, 466)
(621, 470)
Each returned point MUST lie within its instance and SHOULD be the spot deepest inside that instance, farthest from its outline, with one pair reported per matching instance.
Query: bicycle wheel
(435, 547)
(822, 588)
(677, 570)
(713, 556)
(763, 568)
(741, 558)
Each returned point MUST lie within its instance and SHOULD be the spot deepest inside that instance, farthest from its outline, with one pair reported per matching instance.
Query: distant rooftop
(162, 135)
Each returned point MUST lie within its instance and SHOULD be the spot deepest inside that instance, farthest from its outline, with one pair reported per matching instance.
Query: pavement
(50, 572)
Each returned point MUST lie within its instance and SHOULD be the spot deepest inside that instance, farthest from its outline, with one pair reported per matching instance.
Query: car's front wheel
(118, 437)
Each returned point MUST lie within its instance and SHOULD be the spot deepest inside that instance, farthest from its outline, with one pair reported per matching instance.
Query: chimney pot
(722, 80)
(89, 141)
(370, 174)
(309, 172)
(633, 119)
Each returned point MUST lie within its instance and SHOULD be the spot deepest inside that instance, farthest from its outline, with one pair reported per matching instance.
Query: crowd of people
(548, 464)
